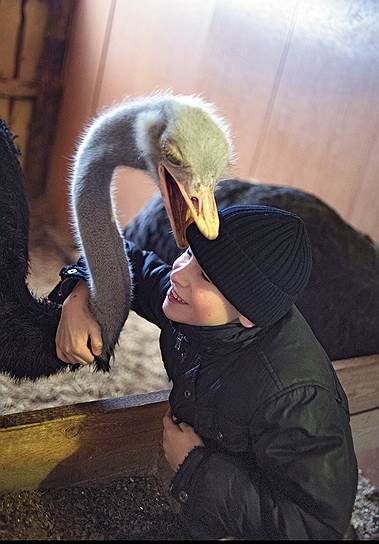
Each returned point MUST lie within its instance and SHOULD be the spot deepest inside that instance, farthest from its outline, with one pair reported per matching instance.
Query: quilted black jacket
(279, 461)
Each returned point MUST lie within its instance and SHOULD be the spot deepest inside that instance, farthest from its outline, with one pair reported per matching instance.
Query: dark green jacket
(279, 461)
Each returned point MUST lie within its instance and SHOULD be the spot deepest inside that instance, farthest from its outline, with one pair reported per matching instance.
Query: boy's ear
(246, 322)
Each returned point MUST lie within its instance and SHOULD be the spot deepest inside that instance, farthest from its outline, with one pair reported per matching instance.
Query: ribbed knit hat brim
(260, 261)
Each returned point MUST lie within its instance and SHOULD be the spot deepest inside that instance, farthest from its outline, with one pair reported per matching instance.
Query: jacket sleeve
(300, 483)
(151, 280)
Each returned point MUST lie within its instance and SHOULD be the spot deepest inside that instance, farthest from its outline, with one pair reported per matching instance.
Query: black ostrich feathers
(341, 301)
(27, 324)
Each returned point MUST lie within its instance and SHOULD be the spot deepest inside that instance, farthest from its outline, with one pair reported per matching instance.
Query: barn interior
(298, 85)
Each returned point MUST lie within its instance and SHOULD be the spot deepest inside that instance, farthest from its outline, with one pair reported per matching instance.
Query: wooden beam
(81, 444)
(365, 429)
(16, 88)
(359, 377)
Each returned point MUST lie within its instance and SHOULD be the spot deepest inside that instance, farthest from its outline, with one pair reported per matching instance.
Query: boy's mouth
(173, 296)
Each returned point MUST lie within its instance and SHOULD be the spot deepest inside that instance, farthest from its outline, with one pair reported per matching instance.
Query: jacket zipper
(179, 340)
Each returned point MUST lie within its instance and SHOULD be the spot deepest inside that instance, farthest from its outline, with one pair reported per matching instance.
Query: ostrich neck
(102, 246)
(111, 144)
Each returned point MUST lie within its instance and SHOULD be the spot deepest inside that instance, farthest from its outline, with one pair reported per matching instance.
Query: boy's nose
(178, 276)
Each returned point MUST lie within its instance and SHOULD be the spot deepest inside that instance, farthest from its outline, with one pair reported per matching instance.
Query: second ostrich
(341, 300)
(185, 147)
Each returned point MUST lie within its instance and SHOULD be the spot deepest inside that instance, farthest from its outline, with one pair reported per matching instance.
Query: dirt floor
(133, 508)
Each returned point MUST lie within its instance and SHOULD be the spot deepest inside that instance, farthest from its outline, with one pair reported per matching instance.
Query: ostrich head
(187, 149)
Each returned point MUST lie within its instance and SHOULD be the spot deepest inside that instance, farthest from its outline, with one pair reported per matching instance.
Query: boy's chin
(169, 312)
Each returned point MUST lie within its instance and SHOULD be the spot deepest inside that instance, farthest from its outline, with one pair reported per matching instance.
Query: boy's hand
(178, 440)
(77, 328)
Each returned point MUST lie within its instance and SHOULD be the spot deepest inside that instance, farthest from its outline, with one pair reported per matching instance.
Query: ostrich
(184, 146)
(341, 300)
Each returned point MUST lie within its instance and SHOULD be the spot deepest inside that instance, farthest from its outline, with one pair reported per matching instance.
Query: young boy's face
(200, 302)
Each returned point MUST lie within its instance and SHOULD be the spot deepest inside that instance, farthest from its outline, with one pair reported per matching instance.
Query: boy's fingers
(168, 413)
(167, 419)
(80, 360)
(85, 358)
(95, 341)
(61, 356)
(97, 348)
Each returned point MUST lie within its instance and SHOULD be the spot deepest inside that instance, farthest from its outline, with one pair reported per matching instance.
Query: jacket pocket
(222, 431)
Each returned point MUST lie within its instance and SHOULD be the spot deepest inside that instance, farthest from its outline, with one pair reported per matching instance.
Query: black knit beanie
(260, 261)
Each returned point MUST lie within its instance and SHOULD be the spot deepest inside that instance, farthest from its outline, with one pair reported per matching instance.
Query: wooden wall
(297, 80)
(32, 47)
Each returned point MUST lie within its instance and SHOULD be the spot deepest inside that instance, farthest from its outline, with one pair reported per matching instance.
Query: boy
(258, 428)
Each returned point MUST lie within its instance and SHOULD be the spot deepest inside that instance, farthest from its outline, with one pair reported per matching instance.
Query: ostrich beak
(183, 208)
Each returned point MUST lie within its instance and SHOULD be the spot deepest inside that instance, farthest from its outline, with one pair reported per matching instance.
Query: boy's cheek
(211, 312)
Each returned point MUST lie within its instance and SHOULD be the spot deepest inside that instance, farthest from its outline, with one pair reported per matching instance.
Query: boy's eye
(205, 277)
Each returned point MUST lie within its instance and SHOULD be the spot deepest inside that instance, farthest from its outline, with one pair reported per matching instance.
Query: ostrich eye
(173, 159)
(171, 153)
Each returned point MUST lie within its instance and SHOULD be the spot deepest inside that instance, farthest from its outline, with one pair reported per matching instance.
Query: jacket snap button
(187, 394)
(220, 436)
(71, 271)
(183, 496)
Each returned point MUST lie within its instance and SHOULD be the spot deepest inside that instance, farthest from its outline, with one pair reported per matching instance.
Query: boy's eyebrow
(189, 251)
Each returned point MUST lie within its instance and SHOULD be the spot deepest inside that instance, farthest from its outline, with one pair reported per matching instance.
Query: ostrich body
(184, 146)
(27, 325)
(341, 300)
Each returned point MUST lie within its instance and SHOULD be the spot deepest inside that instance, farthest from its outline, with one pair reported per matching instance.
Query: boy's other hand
(178, 440)
(78, 338)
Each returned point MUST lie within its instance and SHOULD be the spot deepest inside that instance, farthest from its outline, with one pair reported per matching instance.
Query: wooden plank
(35, 16)
(18, 89)
(20, 116)
(10, 21)
(365, 429)
(359, 377)
(81, 444)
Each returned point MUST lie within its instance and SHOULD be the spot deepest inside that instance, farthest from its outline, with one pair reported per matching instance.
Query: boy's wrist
(80, 293)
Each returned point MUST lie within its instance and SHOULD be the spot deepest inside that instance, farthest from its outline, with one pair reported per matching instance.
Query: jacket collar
(220, 338)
